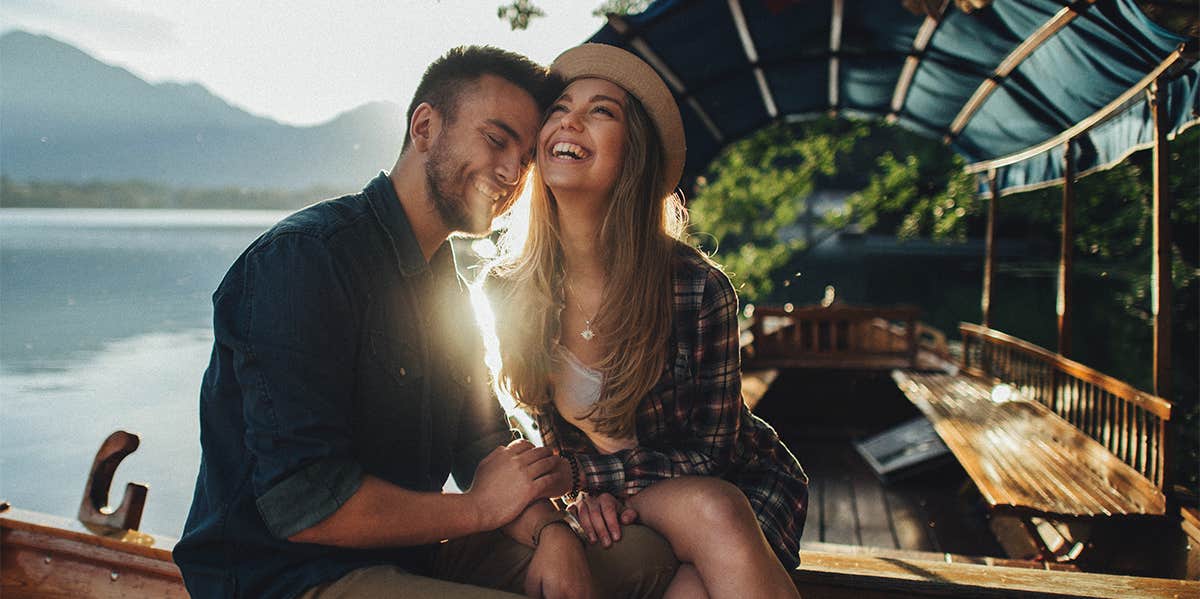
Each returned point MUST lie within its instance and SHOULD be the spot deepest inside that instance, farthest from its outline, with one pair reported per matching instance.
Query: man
(344, 387)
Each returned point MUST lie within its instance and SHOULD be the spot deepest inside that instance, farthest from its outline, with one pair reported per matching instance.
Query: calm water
(105, 324)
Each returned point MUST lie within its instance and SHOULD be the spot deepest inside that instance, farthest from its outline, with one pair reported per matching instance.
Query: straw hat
(642, 82)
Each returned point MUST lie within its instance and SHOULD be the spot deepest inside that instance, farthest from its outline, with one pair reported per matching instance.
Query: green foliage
(1113, 226)
(140, 194)
(929, 200)
(621, 7)
(756, 188)
(921, 193)
(519, 13)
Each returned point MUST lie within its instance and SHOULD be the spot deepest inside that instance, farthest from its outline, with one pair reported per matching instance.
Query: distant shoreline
(154, 196)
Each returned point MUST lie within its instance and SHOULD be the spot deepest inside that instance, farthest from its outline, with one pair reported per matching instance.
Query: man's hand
(602, 517)
(559, 569)
(510, 478)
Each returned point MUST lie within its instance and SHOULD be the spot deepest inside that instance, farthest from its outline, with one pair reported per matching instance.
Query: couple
(345, 385)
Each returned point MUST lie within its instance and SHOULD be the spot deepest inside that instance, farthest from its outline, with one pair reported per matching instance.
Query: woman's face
(581, 146)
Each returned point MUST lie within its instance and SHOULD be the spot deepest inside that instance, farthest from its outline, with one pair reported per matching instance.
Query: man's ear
(425, 125)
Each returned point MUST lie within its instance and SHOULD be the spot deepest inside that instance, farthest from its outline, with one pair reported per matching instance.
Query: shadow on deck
(820, 414)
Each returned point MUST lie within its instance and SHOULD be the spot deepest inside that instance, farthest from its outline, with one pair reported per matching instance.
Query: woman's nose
(570, 120)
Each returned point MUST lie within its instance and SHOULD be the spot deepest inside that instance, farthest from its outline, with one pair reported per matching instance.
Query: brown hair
(639, 234)
(459, 69)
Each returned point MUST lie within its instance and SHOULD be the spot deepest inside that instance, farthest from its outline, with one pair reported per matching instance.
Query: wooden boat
(103, 555)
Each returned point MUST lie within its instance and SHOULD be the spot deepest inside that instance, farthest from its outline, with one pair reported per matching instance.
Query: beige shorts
(491, 565)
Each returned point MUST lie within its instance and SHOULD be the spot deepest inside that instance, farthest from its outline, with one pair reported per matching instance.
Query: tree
(756, 188)
(519, 12)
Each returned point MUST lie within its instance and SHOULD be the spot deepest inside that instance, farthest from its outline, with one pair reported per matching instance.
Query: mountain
(65, 116)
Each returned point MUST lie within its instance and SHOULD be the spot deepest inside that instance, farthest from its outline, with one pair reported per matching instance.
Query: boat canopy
(1005, 85)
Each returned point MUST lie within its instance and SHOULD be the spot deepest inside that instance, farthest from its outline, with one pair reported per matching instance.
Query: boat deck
(819, 415)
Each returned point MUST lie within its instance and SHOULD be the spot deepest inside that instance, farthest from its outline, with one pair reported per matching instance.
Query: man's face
(477, 161)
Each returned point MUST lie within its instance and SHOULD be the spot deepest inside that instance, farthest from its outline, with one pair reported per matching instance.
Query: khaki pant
(640, 565)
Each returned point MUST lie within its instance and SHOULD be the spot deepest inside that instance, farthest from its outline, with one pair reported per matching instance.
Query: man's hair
(459, 69)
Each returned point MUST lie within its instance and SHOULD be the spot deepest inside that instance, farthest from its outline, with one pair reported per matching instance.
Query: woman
(623, 341)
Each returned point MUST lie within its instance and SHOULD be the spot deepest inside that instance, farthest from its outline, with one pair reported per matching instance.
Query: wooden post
(1065, 264)
(1160, 269)
(989, 260)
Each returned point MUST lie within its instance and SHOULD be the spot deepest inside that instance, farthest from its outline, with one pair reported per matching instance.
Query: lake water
(105, 324)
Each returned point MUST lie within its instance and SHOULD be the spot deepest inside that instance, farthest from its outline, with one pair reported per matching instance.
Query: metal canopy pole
(1065, 264)
(1160, 269)
(989, 260)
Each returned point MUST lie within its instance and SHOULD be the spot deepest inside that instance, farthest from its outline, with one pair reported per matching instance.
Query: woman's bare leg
(710, 525)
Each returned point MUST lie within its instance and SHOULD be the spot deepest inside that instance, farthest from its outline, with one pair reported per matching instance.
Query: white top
(576, 390)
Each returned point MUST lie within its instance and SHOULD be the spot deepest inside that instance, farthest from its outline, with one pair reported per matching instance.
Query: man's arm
(382, 514)
(559, 567)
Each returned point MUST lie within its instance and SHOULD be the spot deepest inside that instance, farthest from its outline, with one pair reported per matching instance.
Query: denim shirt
(339, 352)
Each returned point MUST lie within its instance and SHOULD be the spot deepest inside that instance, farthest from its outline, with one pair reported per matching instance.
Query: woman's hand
(602, 517)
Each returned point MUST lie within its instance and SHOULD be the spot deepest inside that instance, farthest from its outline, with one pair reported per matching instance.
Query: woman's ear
(424, 126)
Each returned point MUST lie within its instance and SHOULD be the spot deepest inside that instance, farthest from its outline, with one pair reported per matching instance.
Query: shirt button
(403, 372)
(468, 379)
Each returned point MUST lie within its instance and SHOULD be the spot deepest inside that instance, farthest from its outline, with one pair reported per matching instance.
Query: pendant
(587, 333)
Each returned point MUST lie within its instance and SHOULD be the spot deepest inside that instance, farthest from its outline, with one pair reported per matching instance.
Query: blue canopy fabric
(738, 66)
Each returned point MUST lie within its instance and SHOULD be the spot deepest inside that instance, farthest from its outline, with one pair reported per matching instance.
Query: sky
(300, 62)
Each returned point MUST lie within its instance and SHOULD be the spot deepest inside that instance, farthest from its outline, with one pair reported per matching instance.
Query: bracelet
(575, 525)
(567, 518)
(574, 463)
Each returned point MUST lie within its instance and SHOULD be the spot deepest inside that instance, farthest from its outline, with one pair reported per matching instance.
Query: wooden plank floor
(820, 415)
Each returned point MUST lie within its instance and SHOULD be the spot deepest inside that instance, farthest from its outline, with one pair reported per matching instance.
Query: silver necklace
(587, 333)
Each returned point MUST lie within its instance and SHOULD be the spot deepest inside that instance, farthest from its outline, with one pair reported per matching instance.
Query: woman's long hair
(638, 235)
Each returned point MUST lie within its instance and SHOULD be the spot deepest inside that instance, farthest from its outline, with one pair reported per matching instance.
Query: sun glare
(517, 216)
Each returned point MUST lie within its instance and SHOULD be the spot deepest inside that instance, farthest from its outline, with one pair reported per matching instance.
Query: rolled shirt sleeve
(703, 442)
(292, 330)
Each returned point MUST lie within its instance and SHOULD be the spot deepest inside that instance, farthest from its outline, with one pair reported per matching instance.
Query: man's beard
(444, 174)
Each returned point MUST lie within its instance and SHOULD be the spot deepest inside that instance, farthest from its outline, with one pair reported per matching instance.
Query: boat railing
(840, 336)
(1130, 423)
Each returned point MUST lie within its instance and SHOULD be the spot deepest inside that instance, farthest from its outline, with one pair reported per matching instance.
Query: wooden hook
(94, 507)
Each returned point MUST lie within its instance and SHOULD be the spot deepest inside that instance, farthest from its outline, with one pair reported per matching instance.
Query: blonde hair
(639, 235)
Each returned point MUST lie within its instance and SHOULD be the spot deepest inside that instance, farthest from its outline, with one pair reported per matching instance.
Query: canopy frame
(1014, 59)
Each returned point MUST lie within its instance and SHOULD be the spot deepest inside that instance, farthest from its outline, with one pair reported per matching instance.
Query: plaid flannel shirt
(694, 421)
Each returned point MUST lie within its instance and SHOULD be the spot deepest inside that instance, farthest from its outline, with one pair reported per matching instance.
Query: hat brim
(642, 82)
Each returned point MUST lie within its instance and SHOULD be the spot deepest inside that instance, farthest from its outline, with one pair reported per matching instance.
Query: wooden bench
(836, 576)
(1022, 456)
(1042, 435)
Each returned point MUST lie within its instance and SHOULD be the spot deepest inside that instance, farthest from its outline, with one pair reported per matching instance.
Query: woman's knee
(718, 503)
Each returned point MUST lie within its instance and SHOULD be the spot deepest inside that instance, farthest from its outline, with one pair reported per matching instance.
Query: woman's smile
(582, 144)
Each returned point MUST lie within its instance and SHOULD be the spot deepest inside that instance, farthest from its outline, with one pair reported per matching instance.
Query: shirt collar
(390, 213)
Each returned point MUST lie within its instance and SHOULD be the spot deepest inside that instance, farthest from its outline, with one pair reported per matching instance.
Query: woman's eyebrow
(602, 98)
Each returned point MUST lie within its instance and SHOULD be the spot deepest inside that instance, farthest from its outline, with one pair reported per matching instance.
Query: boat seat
(1024, 457)
(861, 576)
